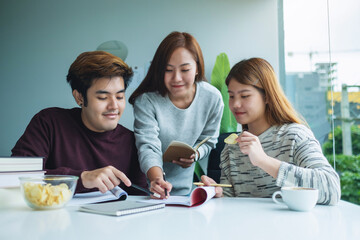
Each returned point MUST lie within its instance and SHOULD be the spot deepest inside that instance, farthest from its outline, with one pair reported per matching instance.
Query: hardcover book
(178, 150)
(13, 164)
(11, 179)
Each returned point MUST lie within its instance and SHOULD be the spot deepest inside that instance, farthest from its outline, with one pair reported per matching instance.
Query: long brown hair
(154, 80)
(260, 74)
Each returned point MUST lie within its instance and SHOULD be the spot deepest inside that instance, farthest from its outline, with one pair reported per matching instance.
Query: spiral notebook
(121, 208)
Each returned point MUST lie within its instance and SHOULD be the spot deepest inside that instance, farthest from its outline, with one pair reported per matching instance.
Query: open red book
(197, 197)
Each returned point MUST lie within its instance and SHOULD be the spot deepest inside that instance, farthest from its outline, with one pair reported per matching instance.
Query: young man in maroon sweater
(88, 142)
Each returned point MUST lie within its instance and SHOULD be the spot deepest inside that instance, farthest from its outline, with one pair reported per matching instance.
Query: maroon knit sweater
(69, 148)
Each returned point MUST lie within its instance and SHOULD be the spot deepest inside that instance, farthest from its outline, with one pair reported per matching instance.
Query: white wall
(41, 38)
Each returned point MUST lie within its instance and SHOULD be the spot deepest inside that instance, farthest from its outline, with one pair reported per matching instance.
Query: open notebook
(121, 208)
(198, 196)
(96, 197)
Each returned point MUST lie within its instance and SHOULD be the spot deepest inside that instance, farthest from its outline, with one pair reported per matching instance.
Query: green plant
(348, 168)
(218, 76)
(228, 122)
(355, 139)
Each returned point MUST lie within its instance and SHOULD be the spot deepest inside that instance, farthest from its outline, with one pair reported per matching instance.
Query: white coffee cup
(297, 198)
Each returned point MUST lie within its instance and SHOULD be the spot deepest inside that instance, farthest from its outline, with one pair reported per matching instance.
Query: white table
(224, 218)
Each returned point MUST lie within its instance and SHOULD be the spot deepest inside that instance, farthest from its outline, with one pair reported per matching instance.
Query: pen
(145, 190)
(165, 181)
(116, 191)
(212, 184)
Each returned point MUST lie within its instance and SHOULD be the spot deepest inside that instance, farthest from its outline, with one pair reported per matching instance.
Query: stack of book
(11, 168)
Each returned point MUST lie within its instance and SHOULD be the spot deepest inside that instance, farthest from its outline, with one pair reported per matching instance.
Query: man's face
(106, 103)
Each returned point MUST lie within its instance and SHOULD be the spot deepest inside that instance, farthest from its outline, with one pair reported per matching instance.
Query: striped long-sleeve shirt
(303, 165)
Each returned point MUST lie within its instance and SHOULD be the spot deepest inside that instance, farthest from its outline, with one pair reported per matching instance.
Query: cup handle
(274, 197)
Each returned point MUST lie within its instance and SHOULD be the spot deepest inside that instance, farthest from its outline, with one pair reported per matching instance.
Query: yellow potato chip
(47, 195)
(231, 139)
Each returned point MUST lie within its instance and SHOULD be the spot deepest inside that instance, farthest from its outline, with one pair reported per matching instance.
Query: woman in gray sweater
(174, 102)
(277, 149)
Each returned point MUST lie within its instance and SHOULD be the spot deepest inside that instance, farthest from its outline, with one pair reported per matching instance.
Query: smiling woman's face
(180, 74)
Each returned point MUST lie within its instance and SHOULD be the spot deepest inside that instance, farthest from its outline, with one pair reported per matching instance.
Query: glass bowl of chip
(48, 191)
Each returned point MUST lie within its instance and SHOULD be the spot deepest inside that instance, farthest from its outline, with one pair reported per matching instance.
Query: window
(322, 79)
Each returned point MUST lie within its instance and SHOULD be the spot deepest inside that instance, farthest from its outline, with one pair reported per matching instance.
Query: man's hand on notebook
(104, 179)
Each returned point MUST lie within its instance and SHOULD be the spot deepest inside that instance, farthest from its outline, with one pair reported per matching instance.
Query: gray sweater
(158, 122)
(303, 164)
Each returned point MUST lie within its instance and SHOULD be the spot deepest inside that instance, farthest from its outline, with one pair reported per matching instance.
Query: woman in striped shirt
(276, 148)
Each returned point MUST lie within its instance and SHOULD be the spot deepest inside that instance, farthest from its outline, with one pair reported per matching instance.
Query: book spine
(201, 143)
